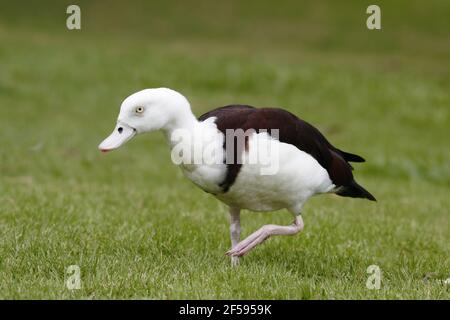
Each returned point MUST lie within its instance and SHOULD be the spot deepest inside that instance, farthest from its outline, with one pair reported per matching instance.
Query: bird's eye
(139, 109)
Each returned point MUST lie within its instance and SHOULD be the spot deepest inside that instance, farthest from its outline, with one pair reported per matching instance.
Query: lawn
(138, 229)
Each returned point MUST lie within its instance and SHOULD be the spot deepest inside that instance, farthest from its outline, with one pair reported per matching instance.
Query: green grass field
(138, 229)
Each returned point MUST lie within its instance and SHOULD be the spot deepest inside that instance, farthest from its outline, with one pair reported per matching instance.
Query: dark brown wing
(292, 130)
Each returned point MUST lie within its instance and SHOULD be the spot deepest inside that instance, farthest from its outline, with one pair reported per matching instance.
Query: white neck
(183, 119)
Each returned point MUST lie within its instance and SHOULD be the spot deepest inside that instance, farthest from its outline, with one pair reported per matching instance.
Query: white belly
(206, 177)
(293, 178)
(284, 178)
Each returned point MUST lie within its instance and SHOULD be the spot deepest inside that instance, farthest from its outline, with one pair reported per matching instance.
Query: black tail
(350, 157)
(354, 190)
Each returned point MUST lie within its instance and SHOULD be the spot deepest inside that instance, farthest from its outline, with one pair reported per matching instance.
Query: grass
(131, 221)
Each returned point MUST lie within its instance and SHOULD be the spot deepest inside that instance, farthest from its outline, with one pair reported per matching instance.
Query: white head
(145, 111)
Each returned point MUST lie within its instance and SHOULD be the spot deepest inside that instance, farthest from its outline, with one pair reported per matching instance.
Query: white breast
(273, 175)
(204, 165)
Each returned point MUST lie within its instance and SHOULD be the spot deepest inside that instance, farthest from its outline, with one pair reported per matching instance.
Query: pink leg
(262, 234)
(235, 232)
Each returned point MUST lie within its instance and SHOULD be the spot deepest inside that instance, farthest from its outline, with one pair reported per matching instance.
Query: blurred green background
(137, 228)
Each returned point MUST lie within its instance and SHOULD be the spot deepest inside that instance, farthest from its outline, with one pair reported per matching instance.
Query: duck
(249, 158)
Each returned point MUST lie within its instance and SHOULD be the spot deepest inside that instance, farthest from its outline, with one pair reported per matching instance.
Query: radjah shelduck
(298, 160)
